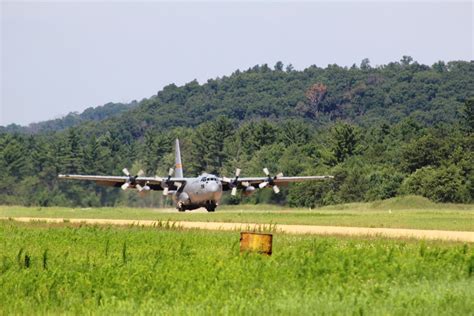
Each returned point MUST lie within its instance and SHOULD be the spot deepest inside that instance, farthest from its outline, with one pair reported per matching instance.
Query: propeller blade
(170, 172)
(234, 191)
(263, 184)
(276, 189)
(279, 175)
(125, 186)
(125, 171)
(266, 171)
(237, 172)
(139, 187)
(165, 191)
(178, 184)
(140, 173)
(245, 183)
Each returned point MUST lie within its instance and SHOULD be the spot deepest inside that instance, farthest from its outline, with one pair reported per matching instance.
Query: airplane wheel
(211, 208)
(181, 210)
(181, 207)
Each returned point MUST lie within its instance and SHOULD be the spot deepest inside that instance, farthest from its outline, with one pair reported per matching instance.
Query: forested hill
(360, 94)
(72, 119)
(400, 128)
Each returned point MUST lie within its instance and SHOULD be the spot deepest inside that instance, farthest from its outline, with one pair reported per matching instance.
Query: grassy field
(89, 269)
(63, 268)
(405, 212)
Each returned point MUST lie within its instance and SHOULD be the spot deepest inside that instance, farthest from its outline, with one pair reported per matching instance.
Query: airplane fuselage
(203, 191)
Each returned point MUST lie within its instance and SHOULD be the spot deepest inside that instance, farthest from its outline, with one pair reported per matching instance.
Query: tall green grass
(90, 269)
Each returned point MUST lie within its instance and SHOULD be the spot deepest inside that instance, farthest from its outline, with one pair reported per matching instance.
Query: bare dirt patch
(463, 236)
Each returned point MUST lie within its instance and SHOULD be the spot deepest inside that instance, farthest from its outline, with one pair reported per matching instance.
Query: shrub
(444, 184)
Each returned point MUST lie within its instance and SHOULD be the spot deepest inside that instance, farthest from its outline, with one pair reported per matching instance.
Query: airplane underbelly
(204, 197)
(201, 194)
(200, 197)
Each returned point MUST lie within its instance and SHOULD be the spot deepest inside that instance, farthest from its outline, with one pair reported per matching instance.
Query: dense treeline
(72, 119)
(401, 128)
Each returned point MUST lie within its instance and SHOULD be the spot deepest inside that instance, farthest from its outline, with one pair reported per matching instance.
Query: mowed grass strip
(75, 269)
(403, 212)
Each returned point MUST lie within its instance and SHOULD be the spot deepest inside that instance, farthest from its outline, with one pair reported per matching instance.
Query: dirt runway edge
(461, 236)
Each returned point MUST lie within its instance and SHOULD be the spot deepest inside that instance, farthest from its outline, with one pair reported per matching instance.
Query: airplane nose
(212, 187)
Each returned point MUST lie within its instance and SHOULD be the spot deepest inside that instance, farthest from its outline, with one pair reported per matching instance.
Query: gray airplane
(192, 193)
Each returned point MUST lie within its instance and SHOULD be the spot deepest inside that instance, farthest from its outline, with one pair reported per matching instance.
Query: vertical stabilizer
(178, 171)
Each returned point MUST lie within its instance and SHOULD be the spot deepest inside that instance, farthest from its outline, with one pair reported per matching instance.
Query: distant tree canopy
(99, 113)
(400, 128)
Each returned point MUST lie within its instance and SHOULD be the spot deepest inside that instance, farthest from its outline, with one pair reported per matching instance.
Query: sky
(59, 57)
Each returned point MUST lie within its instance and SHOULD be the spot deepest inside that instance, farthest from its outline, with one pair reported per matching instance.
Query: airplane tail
(178, 171)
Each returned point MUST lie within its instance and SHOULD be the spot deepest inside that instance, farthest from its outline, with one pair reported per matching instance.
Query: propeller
(166, 183)
(144, 188)
(233, 182)
(270, 181)
(127, 183)
(132, 180)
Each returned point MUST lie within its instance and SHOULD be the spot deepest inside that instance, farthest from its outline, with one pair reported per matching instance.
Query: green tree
(14, 156)
(354, 184)
(73, 152)
(365, 64)
(468, 116)
(155, 146)
(443, 184)
(383, 184)
(278, 66)
(252, 136)
(208, 145)
(344, 141)
(427, 150)
(294, 132)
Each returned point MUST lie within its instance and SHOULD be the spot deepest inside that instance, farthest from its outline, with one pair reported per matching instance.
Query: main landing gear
(210, 206)
(180, 207)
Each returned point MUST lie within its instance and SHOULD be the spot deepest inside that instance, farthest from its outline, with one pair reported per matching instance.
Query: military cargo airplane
(192, 193)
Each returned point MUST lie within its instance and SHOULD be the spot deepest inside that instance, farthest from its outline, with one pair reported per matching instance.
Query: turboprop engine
(249, 190)
(182, 198)
(132, 182)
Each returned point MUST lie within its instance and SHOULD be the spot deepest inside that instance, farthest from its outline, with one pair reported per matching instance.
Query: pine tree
(344, 141)
(73, 153)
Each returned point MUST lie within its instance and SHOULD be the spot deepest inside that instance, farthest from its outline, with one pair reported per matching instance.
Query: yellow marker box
(256, 242)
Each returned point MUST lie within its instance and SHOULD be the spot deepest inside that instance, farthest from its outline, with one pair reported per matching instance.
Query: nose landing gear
(211, 206)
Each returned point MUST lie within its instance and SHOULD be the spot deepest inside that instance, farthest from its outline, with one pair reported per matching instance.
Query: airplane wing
(272, 181)
(283, 180)
(154, 183)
